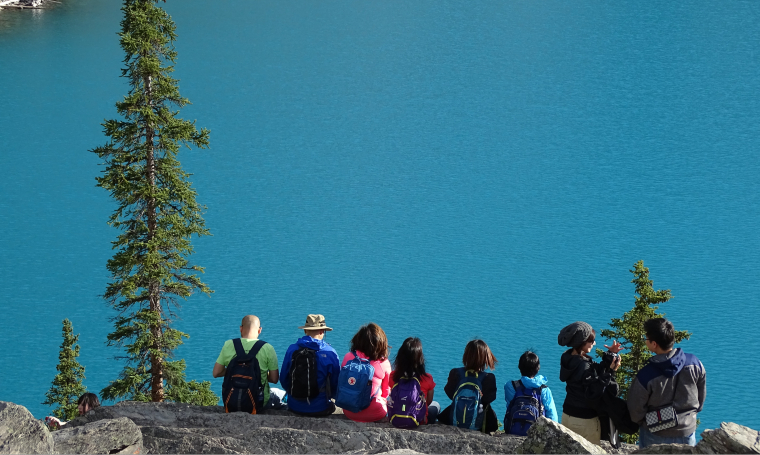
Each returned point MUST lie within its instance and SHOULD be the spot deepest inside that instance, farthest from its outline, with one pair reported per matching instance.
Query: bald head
(250, 327)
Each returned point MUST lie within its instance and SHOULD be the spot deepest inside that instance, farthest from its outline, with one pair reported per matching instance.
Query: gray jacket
(653, 388)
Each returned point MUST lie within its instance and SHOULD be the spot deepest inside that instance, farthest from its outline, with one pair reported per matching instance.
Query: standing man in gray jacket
(672, 377)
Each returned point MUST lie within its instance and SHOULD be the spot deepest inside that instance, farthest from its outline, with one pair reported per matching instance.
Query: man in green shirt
(250, 329)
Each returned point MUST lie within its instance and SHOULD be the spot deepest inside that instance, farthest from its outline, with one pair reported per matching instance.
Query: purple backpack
(406, 404)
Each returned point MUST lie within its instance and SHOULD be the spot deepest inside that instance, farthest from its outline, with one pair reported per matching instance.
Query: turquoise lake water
(446, 169)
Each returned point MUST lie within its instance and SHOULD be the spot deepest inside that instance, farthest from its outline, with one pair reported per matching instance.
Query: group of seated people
(662, 401)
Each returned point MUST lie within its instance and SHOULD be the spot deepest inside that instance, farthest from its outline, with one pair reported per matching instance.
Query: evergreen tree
(629, 329)
(67, 384)
(157, 213)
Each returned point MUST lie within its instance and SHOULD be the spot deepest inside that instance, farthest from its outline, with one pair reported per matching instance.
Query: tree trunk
(156, 361)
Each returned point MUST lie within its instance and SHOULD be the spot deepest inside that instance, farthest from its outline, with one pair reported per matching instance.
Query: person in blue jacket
(310, 371)
(529, 366)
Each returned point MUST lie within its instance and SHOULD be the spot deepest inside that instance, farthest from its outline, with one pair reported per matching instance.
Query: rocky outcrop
(547, 436)
(729, 438)
(179, 428)
(133, 428)
(104, 436)
(20, 432)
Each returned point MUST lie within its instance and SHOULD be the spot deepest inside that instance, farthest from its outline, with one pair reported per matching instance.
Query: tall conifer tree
(67, 384)
(157, 213)
(629, 330)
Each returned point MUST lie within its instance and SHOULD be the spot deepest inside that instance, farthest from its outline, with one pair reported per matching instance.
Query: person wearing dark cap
(311, 368)
(578, 370)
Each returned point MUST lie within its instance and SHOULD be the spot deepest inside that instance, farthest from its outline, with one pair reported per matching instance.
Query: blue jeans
(647, 438)
(433, 410)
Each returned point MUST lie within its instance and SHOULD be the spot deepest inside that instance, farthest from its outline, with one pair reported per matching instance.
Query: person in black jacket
(588, 382)
(477, 357)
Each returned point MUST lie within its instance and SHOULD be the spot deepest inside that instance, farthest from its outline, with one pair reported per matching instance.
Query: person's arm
(427, 383)
(701, 387)
(385, 387)
(451, 385)
(637, 400)
(490, 390)
(334, 371)
(219, 370)
(548, 400)
(225, 355)
(285, 380)
(273, 374)
(509, 392)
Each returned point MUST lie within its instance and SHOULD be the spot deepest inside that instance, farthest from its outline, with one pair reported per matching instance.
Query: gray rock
(624, 447)
(180, 428)
(20, 432)
(729, 438)
(667, 448)
(103, 436)
(547, 436)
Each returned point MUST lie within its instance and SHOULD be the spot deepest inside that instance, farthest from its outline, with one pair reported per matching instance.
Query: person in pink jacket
(371, 343)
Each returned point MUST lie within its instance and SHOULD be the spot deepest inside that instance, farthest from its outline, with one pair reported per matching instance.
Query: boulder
(729, 438)
(667, 448)
(20, 432)
(547, 436)
(181, 428)
(104, 436)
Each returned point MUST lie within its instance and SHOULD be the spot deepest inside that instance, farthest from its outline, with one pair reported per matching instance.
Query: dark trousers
(330, 409)
(492, 423)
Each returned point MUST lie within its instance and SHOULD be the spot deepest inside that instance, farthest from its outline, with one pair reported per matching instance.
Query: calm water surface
(447, 170)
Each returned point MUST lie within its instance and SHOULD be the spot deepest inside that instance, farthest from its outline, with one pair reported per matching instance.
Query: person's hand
(616, 363)
(615, 348)
(52, 422)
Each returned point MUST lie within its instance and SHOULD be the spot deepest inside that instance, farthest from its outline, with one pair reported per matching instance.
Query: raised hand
(615, 348)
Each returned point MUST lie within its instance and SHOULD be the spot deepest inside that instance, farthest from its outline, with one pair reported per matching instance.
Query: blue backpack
(355, 385)
(524, 409)
(466, 408)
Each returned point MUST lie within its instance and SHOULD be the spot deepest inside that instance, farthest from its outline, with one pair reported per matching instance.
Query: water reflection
(14, 20)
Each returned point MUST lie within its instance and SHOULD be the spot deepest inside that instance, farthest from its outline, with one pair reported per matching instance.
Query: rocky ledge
(25, 4)
(130, 427)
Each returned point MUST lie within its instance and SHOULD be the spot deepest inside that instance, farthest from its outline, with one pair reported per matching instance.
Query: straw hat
(315, 322)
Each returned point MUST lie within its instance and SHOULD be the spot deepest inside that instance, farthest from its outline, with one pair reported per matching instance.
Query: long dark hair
(409, 360)
(371, 341)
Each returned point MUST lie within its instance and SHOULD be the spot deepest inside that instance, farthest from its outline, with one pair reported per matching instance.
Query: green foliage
(156, 211)
(67, 384)
(629, 330)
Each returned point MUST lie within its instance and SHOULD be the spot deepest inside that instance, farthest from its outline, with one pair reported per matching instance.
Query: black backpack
(242, 390)
(303, 374)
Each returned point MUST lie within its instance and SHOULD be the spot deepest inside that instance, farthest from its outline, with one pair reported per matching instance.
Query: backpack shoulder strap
(238, 344)
(516, 385)
(256, 348)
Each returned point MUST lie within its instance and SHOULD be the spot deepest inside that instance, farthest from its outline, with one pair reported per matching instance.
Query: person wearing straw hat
(310, 370)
